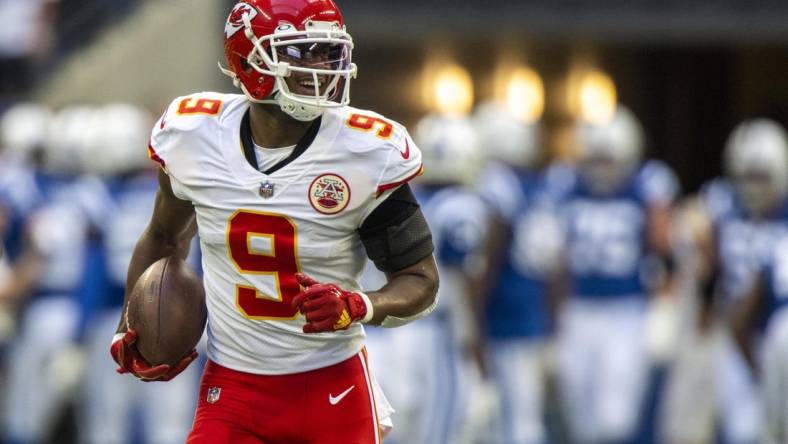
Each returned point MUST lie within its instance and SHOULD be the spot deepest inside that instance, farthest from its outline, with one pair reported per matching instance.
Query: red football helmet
(268, 41)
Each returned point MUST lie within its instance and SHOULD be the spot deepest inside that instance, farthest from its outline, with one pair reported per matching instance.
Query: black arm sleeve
(396, 234)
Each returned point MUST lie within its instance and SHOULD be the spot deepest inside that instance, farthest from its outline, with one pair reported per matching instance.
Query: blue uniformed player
(761, 328)
(62, 208)
(436, 384)
(523, 251)
(616, 213)
(749, 213)
(22, 130)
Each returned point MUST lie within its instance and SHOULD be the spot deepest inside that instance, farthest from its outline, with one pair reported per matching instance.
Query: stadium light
(448, 89)
(524, 95)
(593, 96)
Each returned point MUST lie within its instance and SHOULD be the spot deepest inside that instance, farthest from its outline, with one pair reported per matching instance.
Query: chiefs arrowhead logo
(235, 20)
(329, 194)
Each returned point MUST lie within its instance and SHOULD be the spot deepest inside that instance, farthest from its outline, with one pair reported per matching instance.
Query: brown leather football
(167, 309)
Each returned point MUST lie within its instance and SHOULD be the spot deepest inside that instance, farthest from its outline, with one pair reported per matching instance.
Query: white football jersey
(257, 231)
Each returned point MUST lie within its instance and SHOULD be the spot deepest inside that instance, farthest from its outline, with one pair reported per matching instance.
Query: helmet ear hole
(247, 68)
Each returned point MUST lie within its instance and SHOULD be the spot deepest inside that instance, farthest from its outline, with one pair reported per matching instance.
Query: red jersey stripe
(388, 186)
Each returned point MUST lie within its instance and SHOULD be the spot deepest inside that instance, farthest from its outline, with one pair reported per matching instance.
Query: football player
(290, 190)
(616, 213)
(747, 212)
(438, 410)
(23, 129)
(524, 245)
(108, 403)
(452, 398)
(56, 229)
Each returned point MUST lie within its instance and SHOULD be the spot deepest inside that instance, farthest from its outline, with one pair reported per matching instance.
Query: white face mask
(604, 175)
(759, 193)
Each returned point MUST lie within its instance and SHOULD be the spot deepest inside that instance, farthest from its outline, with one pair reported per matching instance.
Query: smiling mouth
(307, 84)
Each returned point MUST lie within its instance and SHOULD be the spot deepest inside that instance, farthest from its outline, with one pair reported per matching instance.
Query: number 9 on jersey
(280, 262)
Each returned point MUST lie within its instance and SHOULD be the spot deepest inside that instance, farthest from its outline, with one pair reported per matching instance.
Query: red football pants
(331, 405)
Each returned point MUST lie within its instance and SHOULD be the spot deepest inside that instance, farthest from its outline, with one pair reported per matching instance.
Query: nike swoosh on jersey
(163, 117)
(406, 154)
(334, 400)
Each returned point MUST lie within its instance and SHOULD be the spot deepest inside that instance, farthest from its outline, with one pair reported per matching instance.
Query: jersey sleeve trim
(155, 157)
(389, 186)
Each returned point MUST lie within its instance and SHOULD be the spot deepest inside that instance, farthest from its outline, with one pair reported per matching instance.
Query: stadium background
(691, 70)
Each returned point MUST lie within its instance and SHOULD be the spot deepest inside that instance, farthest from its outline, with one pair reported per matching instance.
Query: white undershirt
(268, 157)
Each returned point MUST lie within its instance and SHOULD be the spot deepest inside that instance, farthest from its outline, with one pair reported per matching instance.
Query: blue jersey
(606, 234)
(522, 199)
(57, 215)
(775, 279)
(19, 196)
(744, 243)
(131, 206)
(458, 222)
(130, 202)
(59, 226)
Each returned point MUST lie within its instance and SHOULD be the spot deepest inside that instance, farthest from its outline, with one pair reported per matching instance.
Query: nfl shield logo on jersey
(329, 194)
(266, 190)
(213, 394)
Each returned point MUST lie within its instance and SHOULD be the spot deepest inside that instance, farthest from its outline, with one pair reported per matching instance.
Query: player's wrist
(117, 337)
(369, 311)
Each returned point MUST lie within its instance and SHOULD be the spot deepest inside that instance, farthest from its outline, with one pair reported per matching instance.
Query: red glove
(328, 307)
(130, 361)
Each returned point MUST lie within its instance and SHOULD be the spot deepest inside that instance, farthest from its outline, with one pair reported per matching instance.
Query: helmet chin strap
(299, 111)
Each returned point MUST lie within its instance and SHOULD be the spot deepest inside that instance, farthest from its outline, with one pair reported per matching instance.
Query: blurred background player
(760, 321)
(522, 254)
(747, 215)
(110, 404)
(450, 403)
(23, 132)
(616, 213)
(63, 209)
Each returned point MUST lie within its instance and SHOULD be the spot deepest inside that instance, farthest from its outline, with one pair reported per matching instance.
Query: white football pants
(738, 403)
(775, 380)
(420, 367)
(518, 366)
(166, 408)
(602, 367)
(48, 326)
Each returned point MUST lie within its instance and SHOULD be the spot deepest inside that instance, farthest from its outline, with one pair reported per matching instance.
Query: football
(167, 309)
